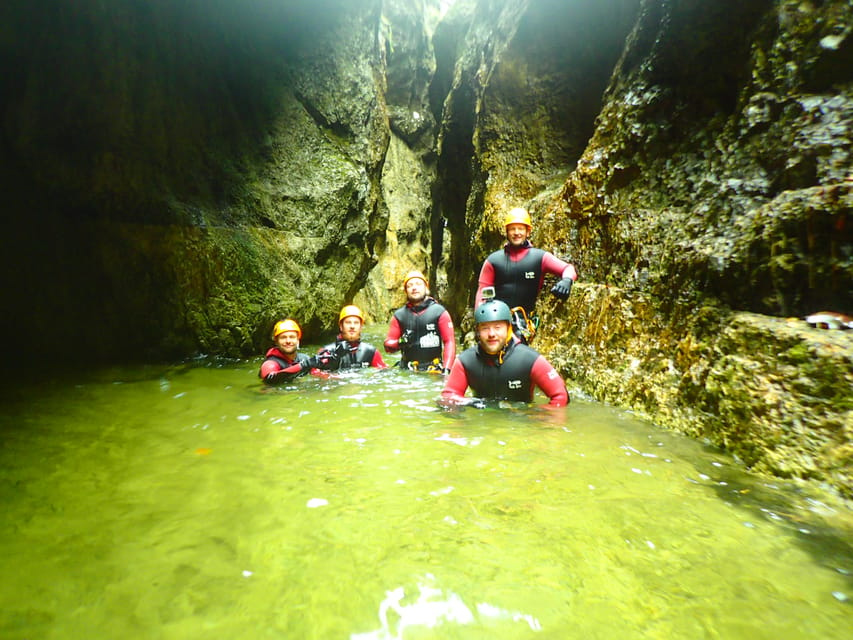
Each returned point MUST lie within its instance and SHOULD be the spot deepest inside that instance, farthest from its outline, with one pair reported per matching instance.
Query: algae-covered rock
(706, 181)
(189, 173)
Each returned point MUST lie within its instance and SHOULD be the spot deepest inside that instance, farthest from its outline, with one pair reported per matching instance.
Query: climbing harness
(523, 326)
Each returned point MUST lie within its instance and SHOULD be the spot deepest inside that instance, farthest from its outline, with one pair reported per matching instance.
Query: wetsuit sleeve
(456, 384)
(560, 268)
(544, 376)
(283, 375)
(486, 279)
(392, 340)
(267, 367)
(377, 361)
(448, 340)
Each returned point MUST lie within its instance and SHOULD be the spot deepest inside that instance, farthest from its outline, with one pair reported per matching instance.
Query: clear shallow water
(191, 502)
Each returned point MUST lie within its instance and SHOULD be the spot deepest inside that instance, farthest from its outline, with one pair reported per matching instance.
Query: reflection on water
(192, 502)
(432, 608)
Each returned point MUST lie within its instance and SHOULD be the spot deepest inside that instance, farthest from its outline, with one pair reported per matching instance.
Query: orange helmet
(286, 325)
(518, 215)
(412, 275)
(351, 310)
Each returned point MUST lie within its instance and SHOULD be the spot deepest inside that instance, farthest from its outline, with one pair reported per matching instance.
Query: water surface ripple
(191, 502)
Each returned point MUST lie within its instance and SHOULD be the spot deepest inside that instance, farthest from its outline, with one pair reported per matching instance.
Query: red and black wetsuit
(350, 355)
(285, 367)
(432, 338)
(517, 274)
(510, 375)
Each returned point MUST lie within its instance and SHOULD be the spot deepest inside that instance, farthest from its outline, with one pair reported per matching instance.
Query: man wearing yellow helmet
(283, 361)
(348, 351)
(422, 329)
(517, 271)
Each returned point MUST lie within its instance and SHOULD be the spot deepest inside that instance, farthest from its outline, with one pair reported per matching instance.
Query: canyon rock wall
(181, 175)
(702, 187)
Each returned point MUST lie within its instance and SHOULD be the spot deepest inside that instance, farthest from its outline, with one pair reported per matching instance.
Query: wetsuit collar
(278, 353)
(513, 249)
(421, 305)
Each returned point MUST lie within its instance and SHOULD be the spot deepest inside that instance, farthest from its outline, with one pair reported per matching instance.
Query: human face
(517, 234)
(351, 328)
(492, 335)
(416, 290)
(287, 342)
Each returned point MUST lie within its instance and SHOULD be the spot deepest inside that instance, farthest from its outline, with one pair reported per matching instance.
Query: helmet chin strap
(502, 352)
(499, 356)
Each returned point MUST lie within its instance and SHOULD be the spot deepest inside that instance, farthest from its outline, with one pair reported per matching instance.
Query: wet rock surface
(775, 392)
(710, 203)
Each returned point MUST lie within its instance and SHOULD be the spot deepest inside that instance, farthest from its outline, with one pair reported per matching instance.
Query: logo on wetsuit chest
(431, 340)
(529, 275)
(513, 384)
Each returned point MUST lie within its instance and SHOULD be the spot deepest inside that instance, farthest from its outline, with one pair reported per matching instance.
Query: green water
(190, 502)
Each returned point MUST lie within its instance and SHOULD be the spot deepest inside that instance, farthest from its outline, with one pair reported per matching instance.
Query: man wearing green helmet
(499, 366)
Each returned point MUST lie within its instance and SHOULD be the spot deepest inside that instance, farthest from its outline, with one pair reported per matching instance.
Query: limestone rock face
(408, 173)
(181, 175)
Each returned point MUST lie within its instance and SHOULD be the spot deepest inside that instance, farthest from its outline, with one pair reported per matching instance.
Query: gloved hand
(327, 359)
(563, 288)
(345, 347)
(276, 377)
(404, 339)
(271, 378)
(311, 363)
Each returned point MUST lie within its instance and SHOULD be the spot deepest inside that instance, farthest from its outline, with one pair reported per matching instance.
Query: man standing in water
(422, 329)
(283, 362)
(517, 272)
(499, 366)
(348, 351)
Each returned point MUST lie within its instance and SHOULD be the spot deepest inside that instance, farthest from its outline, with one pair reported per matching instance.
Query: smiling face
(416, 290)
(492, 335)
(287, 342)
(517, 234)
(351, 328)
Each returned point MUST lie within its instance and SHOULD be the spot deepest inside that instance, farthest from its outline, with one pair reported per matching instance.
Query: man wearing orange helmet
(517, 272)
(422, 329)
(283, 361)
(348, 351)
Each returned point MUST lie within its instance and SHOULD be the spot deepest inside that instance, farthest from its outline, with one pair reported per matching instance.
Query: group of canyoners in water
(501, 366)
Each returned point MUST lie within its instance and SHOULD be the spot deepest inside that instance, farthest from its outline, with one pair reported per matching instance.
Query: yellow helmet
(412, 275)
(351, 310)
(518, 215)
(286, 325)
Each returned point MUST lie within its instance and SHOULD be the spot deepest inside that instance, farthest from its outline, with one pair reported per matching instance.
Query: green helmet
(492, 311)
